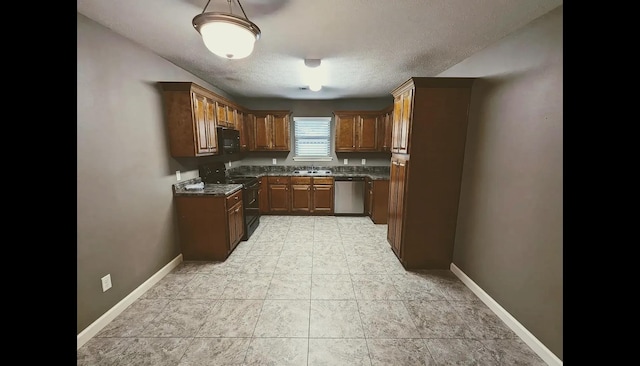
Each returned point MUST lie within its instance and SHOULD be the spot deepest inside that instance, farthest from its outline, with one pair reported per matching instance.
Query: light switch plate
(177, 175)
(346, 161)
(274, 161)
(364, 161)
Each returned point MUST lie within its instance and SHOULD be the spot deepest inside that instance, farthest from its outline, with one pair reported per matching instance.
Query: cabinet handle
(394, 162)
(237, 209)
(236, 197)
(401, 164)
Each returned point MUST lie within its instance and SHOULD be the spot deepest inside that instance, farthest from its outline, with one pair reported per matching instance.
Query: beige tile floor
(308, 291)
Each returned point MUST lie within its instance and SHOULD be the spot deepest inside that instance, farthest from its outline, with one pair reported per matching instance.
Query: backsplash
(258, 169)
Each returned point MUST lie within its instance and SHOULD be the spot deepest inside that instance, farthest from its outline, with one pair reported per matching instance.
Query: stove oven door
(251, 208)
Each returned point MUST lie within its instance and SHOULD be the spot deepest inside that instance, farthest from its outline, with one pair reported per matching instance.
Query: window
(312, 138)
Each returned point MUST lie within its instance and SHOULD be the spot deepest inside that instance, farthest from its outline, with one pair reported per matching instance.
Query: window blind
(312, 136)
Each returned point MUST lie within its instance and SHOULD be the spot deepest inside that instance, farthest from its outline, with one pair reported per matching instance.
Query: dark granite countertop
(179, 189)
(372, 171)
(373, 176)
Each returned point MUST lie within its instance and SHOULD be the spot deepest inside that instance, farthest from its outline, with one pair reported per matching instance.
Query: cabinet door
(399, 169)
(281, 139)
(379, 201)
(301, 197)
(201, 124)
(263, 195)
(236, 229)
(345, 132)
(232, 118)
(367, 133)
(396, 133)
(323, 198)
(212, 138)
(240, 222)
(278, 198)
(405, 130)
(393, 205)
(385, 129)
(262, 133)
(221, 114)
(368, 202)
(241, 125)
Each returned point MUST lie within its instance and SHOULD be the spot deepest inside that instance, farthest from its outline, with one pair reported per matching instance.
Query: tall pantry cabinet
(428, 140)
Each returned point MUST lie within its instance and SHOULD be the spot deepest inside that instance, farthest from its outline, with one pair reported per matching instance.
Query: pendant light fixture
(225, 34)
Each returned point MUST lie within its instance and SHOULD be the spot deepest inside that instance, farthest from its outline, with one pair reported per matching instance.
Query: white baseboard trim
(522, 332)
(112, 313)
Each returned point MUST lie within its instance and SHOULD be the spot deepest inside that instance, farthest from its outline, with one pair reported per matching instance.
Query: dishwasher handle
(349, 179)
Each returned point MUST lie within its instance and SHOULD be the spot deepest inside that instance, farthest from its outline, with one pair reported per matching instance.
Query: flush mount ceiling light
(314, 74)
(225, 34)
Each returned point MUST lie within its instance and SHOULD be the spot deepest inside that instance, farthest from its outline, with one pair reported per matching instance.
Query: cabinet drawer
(234, 198)
(279, 180)
(322, 180)
(300, 180)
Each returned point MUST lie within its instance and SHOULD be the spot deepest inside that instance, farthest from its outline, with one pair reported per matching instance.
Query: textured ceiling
(367, 47)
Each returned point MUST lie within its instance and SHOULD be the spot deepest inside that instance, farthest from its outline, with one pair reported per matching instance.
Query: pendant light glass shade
(227, 35)
(314, 74)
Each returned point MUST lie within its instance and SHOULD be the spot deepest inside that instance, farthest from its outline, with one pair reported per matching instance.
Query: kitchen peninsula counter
(210, 189)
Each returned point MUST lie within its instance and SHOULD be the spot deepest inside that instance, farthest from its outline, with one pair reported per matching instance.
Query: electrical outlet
(106, 282)
(346, 161)
(229, 163)
(364, 161)
(274, 161)
(177, 174)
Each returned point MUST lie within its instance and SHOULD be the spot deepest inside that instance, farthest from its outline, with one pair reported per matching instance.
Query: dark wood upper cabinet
(271, 131)
(241, 126)
(226, 115)
(385, 128)
(356, 131)
(190, 119)
(193, 113)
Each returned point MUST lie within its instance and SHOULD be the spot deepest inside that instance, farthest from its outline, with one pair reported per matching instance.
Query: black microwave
(228, 140)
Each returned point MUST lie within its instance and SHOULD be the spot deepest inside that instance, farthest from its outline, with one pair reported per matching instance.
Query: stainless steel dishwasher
(348, 195)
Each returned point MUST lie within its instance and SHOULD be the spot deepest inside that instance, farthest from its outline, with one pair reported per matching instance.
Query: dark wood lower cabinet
(399, 170)
(263, 195)
(210, 227)
(377, 200)
(301, 195)
(322, 199)
(279, 194)
(297, 195)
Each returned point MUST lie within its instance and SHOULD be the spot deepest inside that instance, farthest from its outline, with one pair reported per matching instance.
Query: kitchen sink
(312, 172)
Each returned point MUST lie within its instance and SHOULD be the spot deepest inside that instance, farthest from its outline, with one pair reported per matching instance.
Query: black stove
(215, 173)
